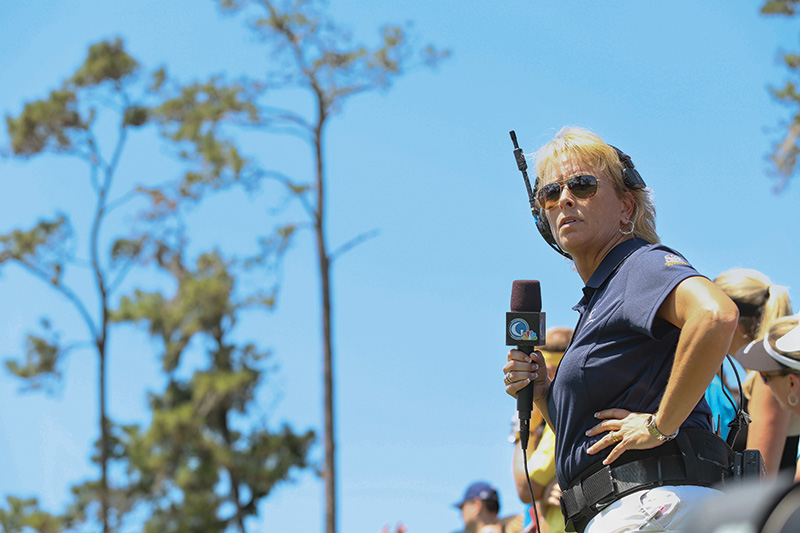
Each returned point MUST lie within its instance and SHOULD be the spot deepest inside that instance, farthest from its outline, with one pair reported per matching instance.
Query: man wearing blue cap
(480, 507)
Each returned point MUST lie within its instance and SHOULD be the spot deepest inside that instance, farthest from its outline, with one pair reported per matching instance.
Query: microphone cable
(530, 485)
(742, 417)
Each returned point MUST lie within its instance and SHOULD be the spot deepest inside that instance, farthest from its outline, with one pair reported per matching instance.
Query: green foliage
(200, 107)
(55, 123)
(43, 251)
(159, 77)
(47, 124)
(315, 53)
(42, 248)
(199, 305)
(780, 7)
(192, 463)
(193, 117)
(24, 516)
(41, 360)
(161, 203)
(127, 248)
(787, 149)
(272, 248)
(135, 116)
(106, 61)
(86, 495)
(184, 458)
(204, 462)
(64, 123)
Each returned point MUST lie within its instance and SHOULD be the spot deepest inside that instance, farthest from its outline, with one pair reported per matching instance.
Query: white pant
(657, 509)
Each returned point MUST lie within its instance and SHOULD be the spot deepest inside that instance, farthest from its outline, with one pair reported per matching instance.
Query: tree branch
(352, 243)
(65, 291)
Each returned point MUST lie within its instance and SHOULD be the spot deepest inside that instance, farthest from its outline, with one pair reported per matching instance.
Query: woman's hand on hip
(623, 430)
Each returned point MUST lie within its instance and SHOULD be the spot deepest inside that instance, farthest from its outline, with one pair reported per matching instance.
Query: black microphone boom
(525, 328)
(522, 165)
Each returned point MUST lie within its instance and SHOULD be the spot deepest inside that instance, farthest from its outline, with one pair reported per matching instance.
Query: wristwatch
(654, 431)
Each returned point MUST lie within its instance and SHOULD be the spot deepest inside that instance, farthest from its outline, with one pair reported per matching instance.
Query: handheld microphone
(525, 328)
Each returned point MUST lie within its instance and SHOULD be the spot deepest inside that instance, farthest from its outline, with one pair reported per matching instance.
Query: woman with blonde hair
(760, 302)
(776, 358)
(626, 403)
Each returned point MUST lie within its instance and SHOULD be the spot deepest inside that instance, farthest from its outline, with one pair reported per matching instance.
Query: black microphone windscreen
(526, 296)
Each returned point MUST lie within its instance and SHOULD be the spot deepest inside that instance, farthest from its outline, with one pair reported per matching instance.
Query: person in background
(760, 302)
(541, 451)
(480, 509)
(776, 358)
(627, 398)
(537, 429)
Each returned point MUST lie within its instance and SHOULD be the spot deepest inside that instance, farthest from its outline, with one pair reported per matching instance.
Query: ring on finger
(614, 437)
(507, 379)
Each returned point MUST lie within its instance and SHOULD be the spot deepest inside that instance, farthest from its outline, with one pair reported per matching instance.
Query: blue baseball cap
(481, 490)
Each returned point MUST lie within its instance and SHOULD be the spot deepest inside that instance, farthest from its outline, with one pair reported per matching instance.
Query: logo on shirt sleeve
(674, 259)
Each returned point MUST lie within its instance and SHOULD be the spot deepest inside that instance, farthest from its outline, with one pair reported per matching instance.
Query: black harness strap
(697, 458)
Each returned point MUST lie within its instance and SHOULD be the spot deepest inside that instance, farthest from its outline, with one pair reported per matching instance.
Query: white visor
(790, 342)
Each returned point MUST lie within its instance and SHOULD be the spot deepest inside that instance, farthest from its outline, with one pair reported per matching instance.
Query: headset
(630, 176)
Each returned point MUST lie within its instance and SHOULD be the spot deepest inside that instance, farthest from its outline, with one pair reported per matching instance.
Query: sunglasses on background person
(583, 186)
(767, 376)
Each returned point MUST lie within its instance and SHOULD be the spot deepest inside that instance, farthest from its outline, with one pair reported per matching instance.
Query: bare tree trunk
(103, 442)
(101, 342)
(327, 337)
(330, 440)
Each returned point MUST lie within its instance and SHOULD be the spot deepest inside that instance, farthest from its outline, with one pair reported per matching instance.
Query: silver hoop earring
(633, 228)
(792, 399)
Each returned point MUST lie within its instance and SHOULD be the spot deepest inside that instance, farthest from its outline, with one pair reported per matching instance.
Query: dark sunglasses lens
(548, 195)
(583, 186)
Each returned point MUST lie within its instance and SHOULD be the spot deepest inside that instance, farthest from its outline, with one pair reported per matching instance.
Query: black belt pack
(694, 457)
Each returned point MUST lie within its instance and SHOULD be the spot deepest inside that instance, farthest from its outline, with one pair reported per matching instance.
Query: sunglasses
(767, 376)
(583, 186)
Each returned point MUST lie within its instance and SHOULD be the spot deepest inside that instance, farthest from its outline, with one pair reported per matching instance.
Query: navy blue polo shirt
(621, 354)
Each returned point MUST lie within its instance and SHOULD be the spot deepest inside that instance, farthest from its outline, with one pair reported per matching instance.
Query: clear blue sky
(680, 86)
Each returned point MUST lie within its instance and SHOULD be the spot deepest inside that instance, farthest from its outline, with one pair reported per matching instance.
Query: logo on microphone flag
(519, 330)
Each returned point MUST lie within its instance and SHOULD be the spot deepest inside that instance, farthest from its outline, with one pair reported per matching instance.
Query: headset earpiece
(630, 176)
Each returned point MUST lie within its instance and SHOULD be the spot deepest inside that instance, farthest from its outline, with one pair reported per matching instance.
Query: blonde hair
(558, 339)
(758, 299)
(590, 150)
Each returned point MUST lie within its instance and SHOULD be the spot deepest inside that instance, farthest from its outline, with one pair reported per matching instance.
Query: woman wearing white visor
(777, 360)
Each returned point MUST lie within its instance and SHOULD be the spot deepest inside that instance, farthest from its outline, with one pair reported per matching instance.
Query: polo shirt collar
(610, 263)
